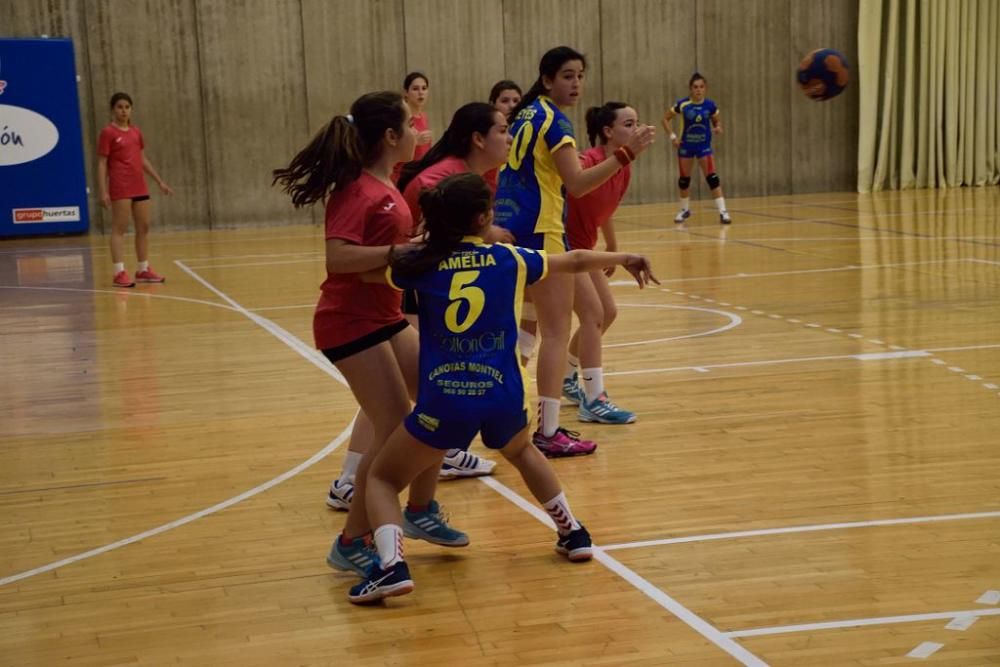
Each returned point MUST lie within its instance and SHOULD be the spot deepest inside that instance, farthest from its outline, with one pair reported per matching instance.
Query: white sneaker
(724, 218)
(339, 497)
(464, 464)
(682, 215)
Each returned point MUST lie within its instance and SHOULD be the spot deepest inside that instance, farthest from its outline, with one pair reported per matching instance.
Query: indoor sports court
(812, 475)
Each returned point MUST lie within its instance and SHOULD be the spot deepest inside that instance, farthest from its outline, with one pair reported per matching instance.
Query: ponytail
(451, 211)
(335, 157)
(598, 118)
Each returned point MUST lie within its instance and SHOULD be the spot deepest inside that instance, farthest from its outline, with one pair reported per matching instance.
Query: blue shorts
(695, 150)
(457, 433)
(553, 243)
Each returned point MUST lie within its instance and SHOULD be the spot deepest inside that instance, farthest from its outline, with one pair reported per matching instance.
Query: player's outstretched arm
(579, 261)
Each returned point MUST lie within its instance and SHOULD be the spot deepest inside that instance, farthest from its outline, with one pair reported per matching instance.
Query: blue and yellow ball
(823, 74)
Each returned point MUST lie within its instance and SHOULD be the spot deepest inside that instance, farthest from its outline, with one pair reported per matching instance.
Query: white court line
(739, 534)
(177, 523)
(218, 507)
(860, 622)
(796, 360)
(306, 352)
(697, 623)
(128, 293)
(982, 261)
(734, 321)
(302, 260)
(848, 267)
(924, 650)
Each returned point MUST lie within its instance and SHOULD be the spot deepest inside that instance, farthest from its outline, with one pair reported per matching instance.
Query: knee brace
(684, 182)
(713, 180)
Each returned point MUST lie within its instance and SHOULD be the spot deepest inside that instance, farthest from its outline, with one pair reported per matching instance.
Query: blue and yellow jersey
(696, 118)
(469, 309)
(529, 197)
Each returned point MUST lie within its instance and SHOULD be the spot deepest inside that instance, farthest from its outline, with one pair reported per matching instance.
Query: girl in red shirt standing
(358, 326)
(608, 127)
(415, 90)
(120, 167)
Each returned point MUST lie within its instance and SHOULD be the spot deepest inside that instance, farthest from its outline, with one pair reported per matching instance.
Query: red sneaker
(563, 443)
(122, 279)
(149, 276)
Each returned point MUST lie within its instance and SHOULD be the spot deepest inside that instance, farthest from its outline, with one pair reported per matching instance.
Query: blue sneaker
(379, 584)
(432, 526)
(358, 557)
(682, 215)
(603, 411)
(575, 545)
(572, 391)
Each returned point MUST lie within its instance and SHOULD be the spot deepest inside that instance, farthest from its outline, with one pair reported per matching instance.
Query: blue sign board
(43, 185)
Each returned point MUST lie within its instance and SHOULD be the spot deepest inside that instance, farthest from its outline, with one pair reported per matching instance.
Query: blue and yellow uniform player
(699, 121)
(530, 200)
(470, 379)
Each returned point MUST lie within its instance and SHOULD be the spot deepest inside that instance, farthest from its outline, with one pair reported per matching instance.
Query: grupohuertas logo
(25, 135)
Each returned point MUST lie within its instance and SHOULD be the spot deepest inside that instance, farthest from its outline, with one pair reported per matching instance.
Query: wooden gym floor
(813, 479)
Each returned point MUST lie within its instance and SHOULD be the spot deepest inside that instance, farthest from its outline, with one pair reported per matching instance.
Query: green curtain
(930, 93)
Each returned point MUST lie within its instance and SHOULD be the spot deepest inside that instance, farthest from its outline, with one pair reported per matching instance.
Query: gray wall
(226, 90)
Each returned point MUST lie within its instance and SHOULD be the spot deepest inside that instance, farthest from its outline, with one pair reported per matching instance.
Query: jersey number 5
(462, 291)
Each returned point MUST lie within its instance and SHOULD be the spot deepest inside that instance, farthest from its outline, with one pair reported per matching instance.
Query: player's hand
(641, 139)
(641, 270)
(716, 129)
(106, 200)
(676, 141)
(424, 137)
(166, 189)
(498, 234)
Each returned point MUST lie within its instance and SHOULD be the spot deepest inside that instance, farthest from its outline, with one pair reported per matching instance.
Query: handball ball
(823, 74)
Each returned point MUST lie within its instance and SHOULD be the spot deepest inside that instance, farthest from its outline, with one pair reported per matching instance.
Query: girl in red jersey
(504, 96)
(358, 326)
(120, 167)
(608, 127)
(415, 90)
(475, 141)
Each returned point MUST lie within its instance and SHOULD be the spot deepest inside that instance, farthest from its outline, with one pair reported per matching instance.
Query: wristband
(673, 137)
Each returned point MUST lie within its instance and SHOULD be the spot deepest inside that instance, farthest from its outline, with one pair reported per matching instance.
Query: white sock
(142, 266)
(452, 452)
(720, 203)
(351, 462)
(548, 415)
(685, 203)
(558, 509)
(389, 542)
(119, 267)
(572, 365)
(593, 382)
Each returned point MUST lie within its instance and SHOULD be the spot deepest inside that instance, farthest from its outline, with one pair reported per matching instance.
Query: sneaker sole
(395, 590)
(337, 504)
(563, 455)
(341, 567)
(414, 535)
(460, 474)
(126, 286)
(141, 280)
(577, 555)
(597, 420)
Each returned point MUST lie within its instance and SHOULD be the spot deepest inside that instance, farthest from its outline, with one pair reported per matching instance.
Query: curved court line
(734, 321)
(274, 330)
(218, 507)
